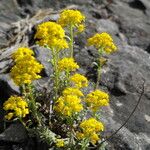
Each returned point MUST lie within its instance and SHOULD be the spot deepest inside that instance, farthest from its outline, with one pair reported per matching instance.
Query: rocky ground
(128, 21)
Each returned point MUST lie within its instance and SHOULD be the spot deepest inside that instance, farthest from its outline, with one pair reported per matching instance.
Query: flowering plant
(72, 120)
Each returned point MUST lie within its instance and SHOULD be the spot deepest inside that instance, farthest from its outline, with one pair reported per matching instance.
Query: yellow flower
(60, 143)
(90, 128)
(97, 99)
(79, 80)
(103, 41)
(79, 135)
(67, 64)
(50, 29)
(81, 28)
(72, 91)
(91, 125)
(18, 112)
(17, 106)
(9, 116)
(51, 34)
(25, 70)
(94, 138)
(70, 18)
(59, 44)
(68, 105)
(21, 52)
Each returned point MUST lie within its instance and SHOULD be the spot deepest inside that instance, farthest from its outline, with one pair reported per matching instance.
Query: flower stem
(100, 51)
(98, 76)
(20, 119)
(71, 40)
(56, 74)
(29, 96)
(84, 144)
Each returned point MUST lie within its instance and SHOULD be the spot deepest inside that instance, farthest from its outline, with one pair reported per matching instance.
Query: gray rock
(83, 61)
(44, 56)
(4, 66)
(106, 25)
(14, 133)
(5, 59)
(124, 139)
(143, 5)
(147, 6)
(133, 23)
(7, 87)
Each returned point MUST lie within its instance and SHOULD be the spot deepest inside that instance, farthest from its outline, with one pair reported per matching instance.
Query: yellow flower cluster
(90, 128)
(26, 68)
(104, 41)
(17, 106)
(22, 52)
(67, 64)
(97, 99)
(72, 91)
(60, 143)
(71, 18)
(79, 80)
(81, 28)
(69, 103)
(52, 35)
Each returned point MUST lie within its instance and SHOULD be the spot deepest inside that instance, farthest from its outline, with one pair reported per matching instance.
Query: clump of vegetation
(73, 120)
